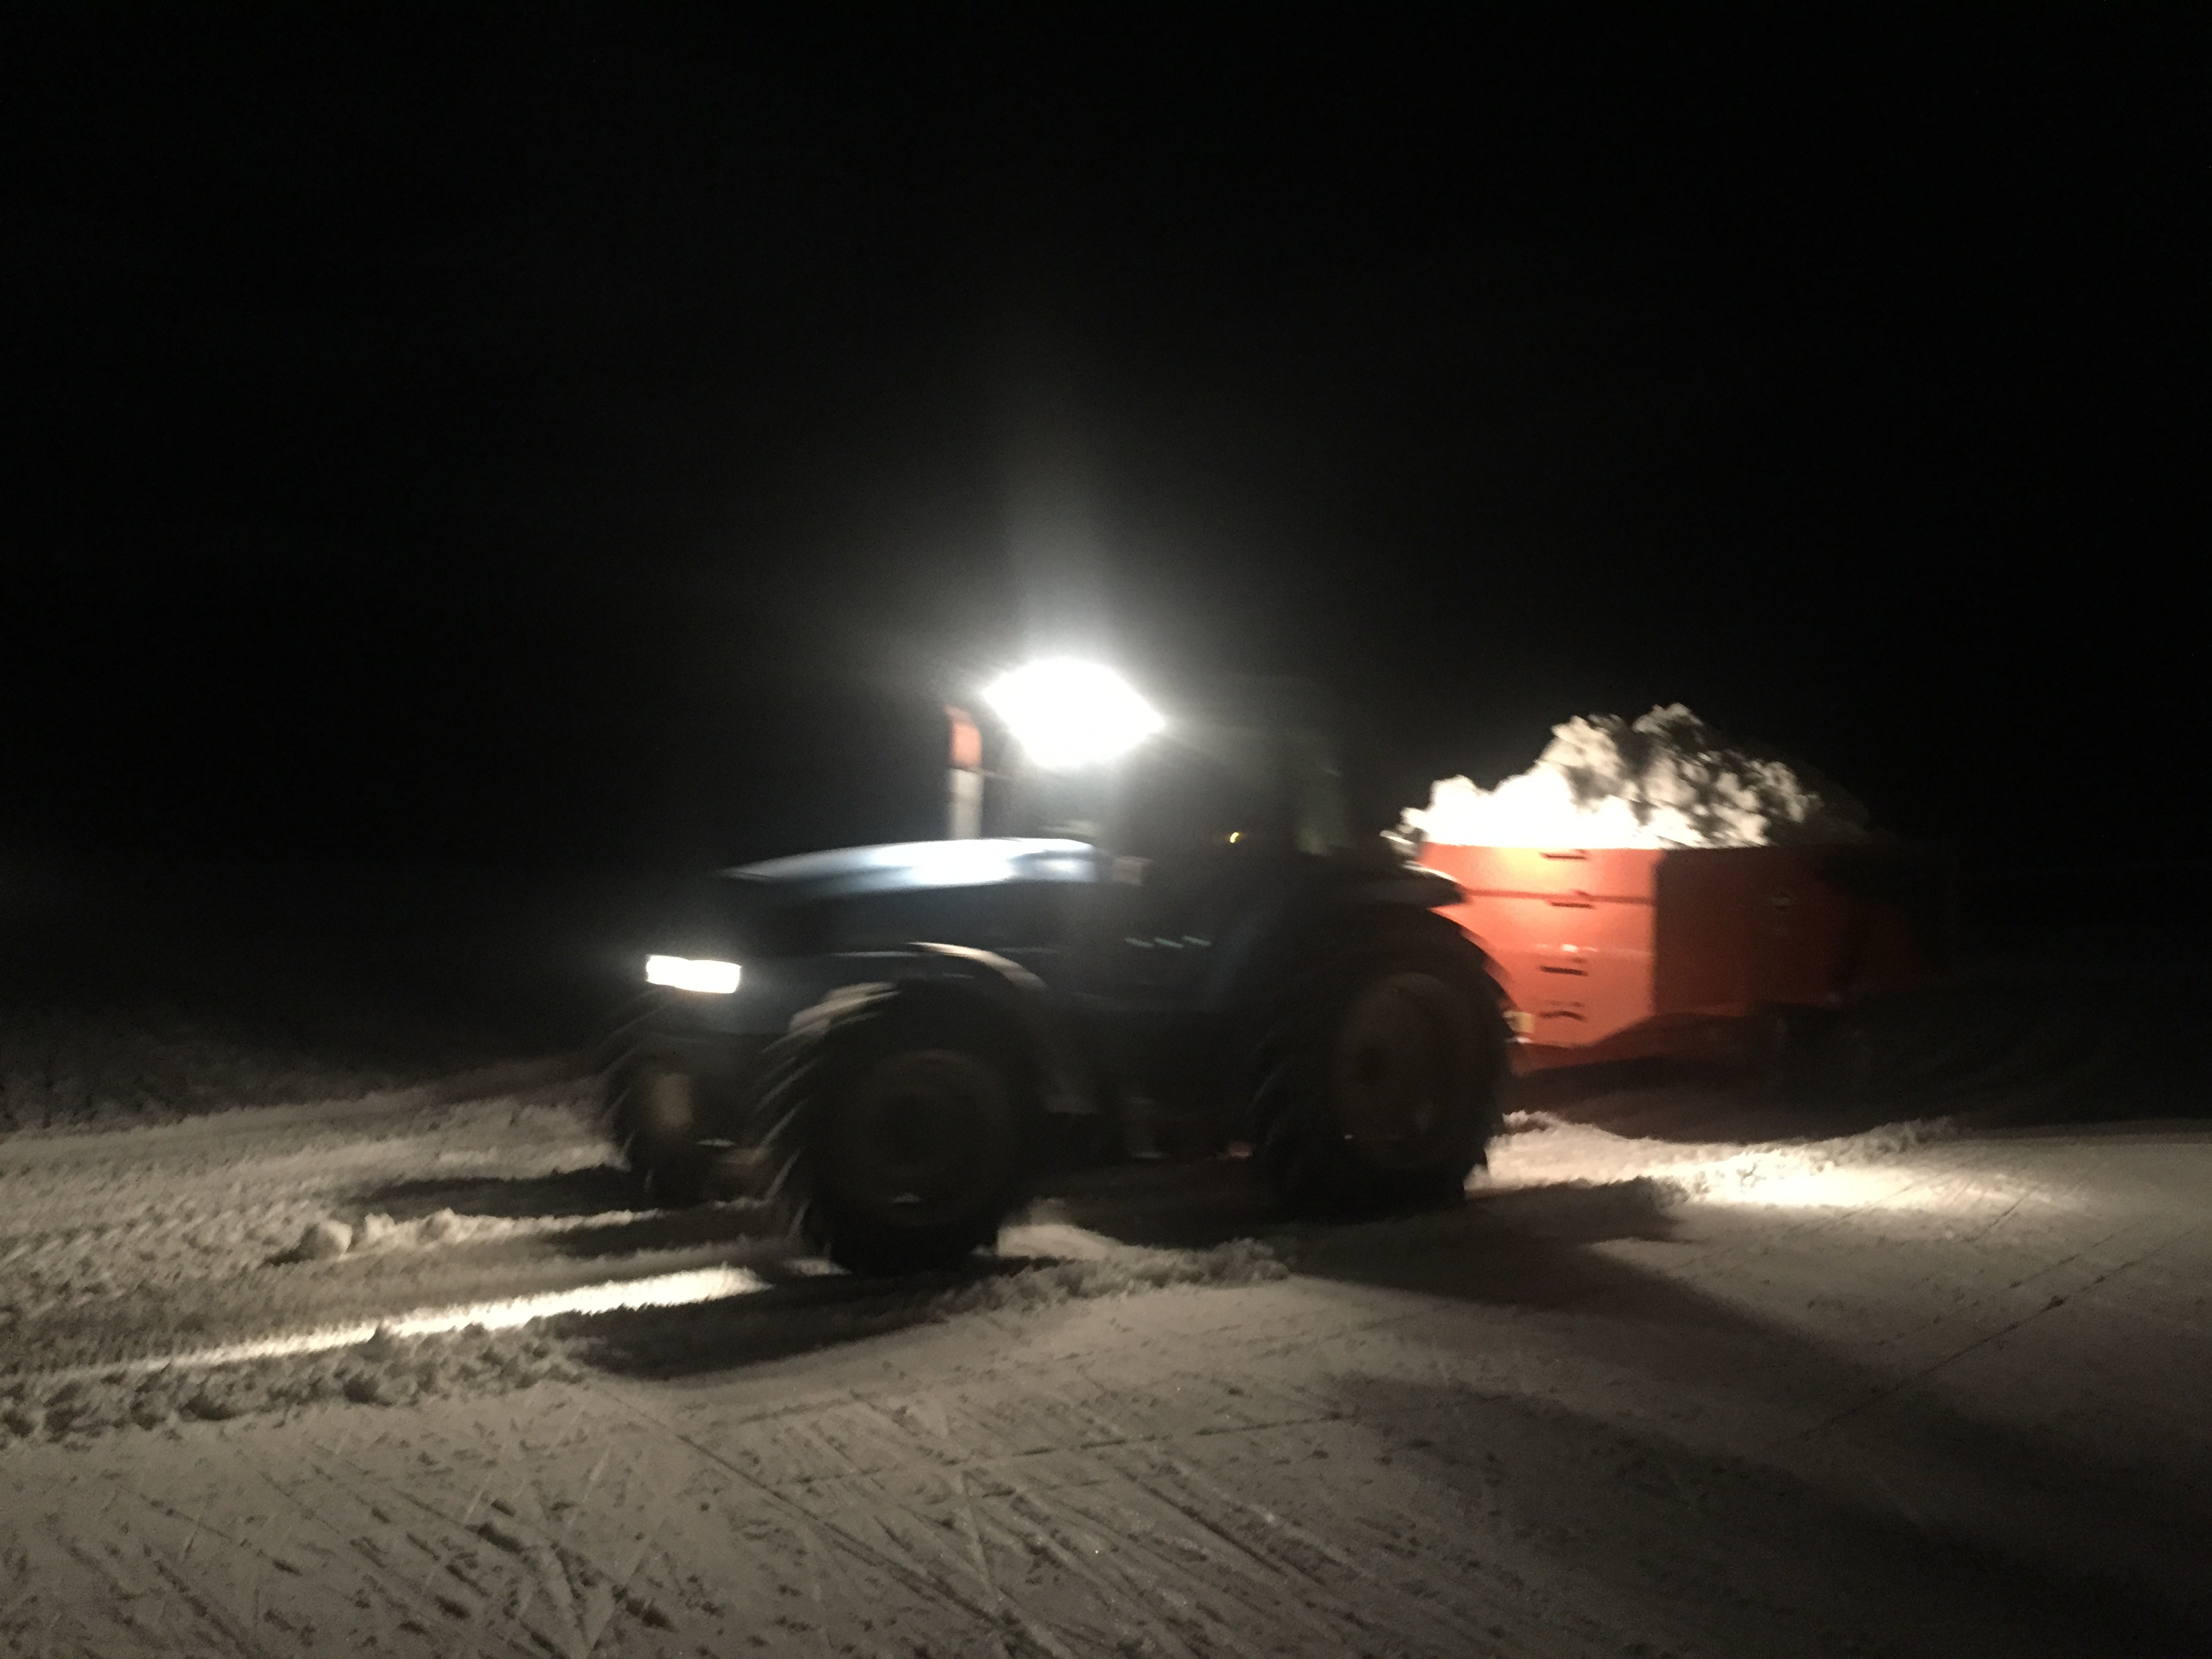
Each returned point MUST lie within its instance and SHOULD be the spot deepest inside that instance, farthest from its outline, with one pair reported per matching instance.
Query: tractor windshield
(1271, 788)
(1211, 788)
(1258, 771)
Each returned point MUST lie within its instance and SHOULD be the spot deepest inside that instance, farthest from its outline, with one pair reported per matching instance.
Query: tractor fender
(1020, 1001)
(1276, 936)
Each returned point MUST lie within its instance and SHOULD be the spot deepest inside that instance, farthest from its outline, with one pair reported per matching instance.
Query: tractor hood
(902, 867)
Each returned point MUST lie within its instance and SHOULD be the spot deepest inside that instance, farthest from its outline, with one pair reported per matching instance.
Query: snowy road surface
(1896, 1393)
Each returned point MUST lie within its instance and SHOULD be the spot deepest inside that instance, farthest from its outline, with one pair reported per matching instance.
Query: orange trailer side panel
(1742, 925)
(1596, 946)
(1570, 931)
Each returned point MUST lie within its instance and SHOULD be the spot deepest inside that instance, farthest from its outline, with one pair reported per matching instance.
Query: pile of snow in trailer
(1666, 779)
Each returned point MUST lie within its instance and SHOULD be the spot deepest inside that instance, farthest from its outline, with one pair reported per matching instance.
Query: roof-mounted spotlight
(1067, 714)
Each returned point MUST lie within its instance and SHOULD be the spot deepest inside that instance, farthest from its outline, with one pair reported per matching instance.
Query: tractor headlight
(1066, 714)
(703, 974)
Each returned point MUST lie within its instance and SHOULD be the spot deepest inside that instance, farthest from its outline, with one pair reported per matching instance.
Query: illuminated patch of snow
(379, 1232)
(1870, 1171)
(1775, 1183)
(661, 1290)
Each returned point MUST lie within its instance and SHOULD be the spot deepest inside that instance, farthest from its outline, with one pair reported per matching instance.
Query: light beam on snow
(662, 1291)
(1874, 1173)
(1920, 1190)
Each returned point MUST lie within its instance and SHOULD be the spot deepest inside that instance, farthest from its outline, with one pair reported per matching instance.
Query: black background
(540, 433)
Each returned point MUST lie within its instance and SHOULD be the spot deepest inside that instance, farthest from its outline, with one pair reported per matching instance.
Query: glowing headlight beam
(674, 1289)
(1067, 714)
(703, 974)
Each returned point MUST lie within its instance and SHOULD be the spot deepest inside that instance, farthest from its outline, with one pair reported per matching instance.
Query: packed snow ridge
(1666, 779)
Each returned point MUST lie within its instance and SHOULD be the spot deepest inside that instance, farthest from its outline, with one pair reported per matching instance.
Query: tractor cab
(1248, 764)
(1204, 832)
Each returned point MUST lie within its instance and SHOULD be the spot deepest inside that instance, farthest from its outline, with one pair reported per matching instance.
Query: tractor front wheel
(897, 1134)
(651, 1114)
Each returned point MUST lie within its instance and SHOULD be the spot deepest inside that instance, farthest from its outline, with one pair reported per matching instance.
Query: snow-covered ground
(1914, 1365)
(1910, 1390)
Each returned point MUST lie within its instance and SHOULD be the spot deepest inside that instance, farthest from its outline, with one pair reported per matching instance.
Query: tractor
(1173, 948)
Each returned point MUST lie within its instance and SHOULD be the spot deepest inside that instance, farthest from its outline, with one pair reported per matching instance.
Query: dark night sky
(558, 433)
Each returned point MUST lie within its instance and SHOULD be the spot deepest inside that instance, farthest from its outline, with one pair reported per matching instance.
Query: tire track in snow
(919, 1581)
(1023, 1518)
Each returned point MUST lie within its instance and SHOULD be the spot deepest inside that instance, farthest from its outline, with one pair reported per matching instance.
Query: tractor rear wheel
(897, 1133)
(1379, 1076)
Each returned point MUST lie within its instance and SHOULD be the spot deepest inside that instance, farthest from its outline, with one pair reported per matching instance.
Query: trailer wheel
(1811, 1053)
(895, 1131)
(1379, 1078)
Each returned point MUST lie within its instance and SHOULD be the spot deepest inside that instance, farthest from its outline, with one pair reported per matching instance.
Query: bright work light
(708, 977)
(1066, 714)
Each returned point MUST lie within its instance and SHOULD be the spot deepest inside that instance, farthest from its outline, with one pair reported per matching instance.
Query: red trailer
(1609, 953)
